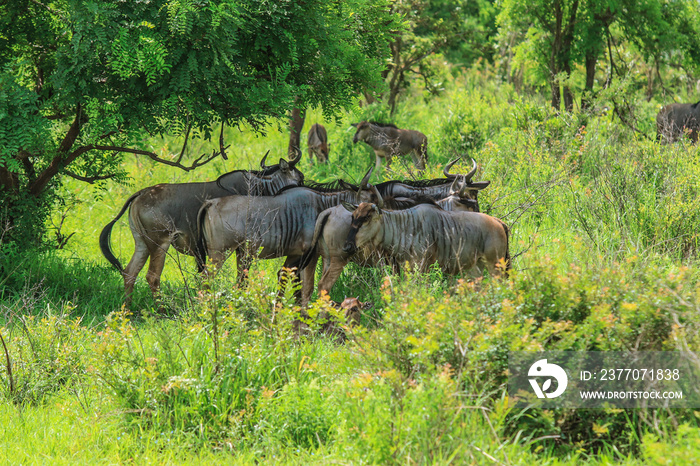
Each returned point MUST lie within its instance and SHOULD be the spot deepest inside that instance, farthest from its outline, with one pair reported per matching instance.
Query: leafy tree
(458, 28)
(564, 33)
(83, 81)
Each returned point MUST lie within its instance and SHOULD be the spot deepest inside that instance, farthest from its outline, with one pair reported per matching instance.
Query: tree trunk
(556, 93)
(397, 77)
(587, 97)
(296, 123)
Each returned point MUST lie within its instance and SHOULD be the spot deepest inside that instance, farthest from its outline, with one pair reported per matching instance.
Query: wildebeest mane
(383, 125)
(417, 183)
(259, 173)
(332, 186)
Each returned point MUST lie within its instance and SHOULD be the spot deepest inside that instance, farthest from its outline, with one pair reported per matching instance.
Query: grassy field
(605, 246)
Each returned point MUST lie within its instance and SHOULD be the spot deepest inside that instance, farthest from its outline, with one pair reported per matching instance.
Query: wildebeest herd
(274, 212)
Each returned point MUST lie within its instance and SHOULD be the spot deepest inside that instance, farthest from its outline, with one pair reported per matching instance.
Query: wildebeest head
(465, 198)
(287, 169)
(464, 188)
(353, 308)
(363, 130)
(366, 217)
(368, 192)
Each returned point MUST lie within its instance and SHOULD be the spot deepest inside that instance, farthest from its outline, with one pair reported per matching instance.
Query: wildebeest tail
(318, 229)
(507, 258)
(106, 235)
(201, 252)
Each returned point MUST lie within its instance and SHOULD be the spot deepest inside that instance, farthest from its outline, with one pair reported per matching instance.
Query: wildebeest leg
(307, 280)
(377, 163)
(331, 274)
(155, 269)
(138, 260)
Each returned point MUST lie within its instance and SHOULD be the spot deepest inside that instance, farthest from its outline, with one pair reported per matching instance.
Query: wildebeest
(318, 143)
(333, 226)
(674, 119)
(278, 226)
(166, 214)
(422, 235)
(459, 199)
(388, 140)
(435, 189)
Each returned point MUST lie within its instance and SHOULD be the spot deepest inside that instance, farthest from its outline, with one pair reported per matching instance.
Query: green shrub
(45, 355)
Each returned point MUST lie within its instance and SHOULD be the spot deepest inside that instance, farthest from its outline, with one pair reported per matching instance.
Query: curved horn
(380, 200)
(296, 159)
(446, 171)
(468, 176)
(262, 162)
(365, 179)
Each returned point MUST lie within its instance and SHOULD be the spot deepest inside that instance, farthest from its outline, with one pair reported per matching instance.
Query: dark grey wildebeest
(388, 140)
(422, 235)
(166, 214)
(674, 119)
(435, 189)
(318, 143)
(277, 226)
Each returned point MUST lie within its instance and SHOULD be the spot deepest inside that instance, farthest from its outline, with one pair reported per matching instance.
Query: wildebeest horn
(446, 171)
(365, 179)
(380, 200)
(468, 176)
(262, 162)
(296, 159)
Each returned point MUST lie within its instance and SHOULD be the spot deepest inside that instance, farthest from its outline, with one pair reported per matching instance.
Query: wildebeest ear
(354, 125)
(284, 165)
(350, 207)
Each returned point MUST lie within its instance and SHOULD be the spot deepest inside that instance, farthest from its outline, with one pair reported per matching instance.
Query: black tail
(106, 235)
(309, 253)
(201, 253)
(507, 258)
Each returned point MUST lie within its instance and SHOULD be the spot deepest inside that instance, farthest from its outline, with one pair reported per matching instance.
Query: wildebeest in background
(278, 226)
(674, 119)
(422, 235)
(166, 214)
(318, 143)
(388, 140)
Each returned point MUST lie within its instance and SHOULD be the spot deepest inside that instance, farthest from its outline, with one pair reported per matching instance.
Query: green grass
(605, 244)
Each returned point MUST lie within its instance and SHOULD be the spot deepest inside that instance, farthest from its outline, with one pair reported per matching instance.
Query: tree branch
(89, 179)
(153, 156)
(38, 185)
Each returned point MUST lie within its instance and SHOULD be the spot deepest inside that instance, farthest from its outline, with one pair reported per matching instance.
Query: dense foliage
(83, 82)
(603, 225)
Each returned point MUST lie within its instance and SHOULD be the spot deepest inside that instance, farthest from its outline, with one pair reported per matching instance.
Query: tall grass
(605, 252)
